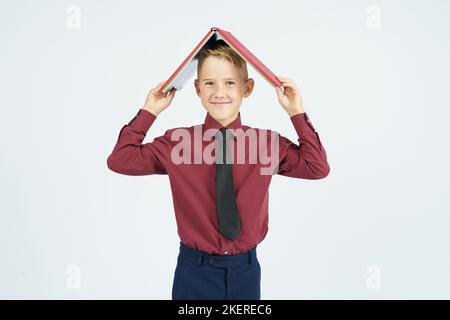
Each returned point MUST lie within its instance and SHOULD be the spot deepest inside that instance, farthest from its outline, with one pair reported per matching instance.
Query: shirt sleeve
(308, 159)
(131, 157)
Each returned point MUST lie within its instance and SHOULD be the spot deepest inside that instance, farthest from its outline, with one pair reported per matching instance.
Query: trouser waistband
(200, 258)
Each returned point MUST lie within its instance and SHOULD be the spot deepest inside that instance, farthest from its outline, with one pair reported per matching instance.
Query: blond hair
(221, 49)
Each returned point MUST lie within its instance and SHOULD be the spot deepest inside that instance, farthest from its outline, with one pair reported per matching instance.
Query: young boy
(219, 182)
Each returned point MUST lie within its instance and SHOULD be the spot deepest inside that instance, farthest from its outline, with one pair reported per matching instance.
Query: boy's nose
(219, 94)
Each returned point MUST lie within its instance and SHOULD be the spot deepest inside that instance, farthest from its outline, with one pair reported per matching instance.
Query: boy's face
(221, 87)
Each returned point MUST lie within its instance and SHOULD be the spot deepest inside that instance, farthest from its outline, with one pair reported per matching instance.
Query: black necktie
(226, 208)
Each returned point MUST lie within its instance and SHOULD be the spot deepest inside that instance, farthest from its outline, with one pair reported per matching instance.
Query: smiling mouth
(220, 103)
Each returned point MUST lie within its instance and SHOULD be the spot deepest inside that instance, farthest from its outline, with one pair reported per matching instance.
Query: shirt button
(226, 252)
(211, 260)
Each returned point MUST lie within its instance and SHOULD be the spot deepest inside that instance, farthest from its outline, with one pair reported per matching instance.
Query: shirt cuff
(142, 121)
(302, 124)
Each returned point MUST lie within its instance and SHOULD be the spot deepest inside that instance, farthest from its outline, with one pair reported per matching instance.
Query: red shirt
(193, 184)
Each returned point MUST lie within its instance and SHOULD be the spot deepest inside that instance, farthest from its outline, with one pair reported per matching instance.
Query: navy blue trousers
(202, 276)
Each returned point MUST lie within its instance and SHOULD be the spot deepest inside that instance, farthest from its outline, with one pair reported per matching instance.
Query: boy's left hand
(290, 99)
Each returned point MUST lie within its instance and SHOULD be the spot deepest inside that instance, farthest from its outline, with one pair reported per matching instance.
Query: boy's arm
(131, 157)
(308, 159)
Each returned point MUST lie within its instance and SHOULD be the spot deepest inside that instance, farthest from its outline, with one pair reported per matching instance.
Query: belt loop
(250, 257)
(200, 258)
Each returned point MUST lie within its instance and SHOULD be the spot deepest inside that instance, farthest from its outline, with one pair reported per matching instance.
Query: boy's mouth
(220, 103)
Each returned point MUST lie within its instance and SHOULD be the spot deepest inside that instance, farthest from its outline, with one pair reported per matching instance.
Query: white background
(374, 77)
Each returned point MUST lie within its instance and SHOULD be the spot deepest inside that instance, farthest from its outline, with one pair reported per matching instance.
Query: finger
(157, 91)
(279, 92)
(288, 84)
(171, 92)
(284, 78)
(285, 84)
(160, 84)
(171, 95)
(286, 81)
(291, 89)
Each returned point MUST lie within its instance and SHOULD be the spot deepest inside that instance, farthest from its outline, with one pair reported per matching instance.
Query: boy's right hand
(156, 102)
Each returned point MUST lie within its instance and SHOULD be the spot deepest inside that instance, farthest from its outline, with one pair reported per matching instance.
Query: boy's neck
(226, 122)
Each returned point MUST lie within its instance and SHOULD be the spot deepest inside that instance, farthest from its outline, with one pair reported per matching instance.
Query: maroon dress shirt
(193, 182)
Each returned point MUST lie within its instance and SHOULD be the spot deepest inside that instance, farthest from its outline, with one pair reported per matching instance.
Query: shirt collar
(211, 123)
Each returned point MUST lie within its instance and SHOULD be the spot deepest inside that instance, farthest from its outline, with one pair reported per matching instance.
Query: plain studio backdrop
(374, 77)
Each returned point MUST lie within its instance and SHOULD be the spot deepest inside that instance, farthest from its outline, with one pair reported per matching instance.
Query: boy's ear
(249, 87)
(197, 87)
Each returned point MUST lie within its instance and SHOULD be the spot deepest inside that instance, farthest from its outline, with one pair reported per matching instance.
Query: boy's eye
(209, 82)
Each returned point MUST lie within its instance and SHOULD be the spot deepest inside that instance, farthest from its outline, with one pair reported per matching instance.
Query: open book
(189, 65)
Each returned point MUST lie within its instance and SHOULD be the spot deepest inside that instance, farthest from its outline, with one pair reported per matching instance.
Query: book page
(187, 72)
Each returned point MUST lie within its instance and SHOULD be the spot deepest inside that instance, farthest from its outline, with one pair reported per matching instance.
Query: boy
(220, 193)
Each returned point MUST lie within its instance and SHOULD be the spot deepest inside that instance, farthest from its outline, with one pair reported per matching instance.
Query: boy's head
(222, 78)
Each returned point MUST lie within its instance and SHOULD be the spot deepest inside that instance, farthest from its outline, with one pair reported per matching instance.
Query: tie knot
(225, 133)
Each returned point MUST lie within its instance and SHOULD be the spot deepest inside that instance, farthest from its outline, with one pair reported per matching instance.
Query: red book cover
(189, 66)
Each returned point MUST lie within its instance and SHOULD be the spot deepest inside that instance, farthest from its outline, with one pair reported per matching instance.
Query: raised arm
(130, 156)
(307, 159)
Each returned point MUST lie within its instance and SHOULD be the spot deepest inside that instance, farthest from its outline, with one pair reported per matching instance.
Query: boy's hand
(290, 99)
(156, 102)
